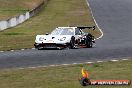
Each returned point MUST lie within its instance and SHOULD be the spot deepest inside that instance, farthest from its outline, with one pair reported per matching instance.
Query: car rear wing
(87, 27)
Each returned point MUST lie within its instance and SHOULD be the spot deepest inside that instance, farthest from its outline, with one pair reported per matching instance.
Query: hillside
(10, 8)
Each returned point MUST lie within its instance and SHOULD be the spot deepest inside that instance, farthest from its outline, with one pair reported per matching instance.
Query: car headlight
(63, 38)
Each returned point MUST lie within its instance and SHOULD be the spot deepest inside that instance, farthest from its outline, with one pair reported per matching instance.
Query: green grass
(65, 76)
(11, 8)
(56, 13)
(6, 14)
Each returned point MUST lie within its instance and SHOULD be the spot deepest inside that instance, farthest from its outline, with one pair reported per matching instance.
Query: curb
(17, 20)
(17, 50)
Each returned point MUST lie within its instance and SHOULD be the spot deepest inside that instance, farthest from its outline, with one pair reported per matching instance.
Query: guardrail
(12, 22)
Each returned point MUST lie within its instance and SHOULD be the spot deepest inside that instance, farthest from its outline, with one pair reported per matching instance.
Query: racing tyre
(72, 43)
(89, 43)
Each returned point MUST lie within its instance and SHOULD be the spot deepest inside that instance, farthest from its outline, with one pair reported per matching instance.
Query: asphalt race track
(114, 18)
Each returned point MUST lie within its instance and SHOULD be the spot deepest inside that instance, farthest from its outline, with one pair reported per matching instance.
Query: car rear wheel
(89, 43)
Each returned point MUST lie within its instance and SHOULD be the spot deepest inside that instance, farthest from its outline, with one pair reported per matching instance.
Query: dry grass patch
(10, 8)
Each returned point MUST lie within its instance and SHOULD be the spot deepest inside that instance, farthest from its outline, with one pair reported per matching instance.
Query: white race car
(65, 37)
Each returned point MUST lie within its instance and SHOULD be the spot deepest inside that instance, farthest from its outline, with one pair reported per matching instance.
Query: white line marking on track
(1, 51)
(22, 68)
(52, 65)
(22, 49)
(79, 63)
(100, 61)
(32, 67)
(66, 64)
(75, 63)
(12, 50)
(124, 59)
(42, 66)
(89, 62)
(70, 64)
(95, 20)
(114, 60)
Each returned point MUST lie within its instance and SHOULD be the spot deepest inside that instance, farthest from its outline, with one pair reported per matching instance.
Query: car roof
(80, 27)
(67, 27)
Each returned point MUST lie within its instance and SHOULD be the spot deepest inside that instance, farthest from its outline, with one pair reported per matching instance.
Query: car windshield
(63, 31)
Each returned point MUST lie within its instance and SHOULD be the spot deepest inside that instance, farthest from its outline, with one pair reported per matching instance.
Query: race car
(65, 37)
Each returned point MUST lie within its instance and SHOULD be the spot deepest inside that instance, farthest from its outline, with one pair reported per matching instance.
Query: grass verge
(56, 13)
(11, 8)
(65, 76)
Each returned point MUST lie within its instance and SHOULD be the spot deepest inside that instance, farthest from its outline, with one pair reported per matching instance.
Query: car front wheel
(72, 43)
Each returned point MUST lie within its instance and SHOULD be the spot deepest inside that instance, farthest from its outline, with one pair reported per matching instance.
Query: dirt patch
(76, 13)
(13, 8)
(32, 4)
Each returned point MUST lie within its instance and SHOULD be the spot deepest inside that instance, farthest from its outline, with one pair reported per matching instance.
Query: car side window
(77, 31)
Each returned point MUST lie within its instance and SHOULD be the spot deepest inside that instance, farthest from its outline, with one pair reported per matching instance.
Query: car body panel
(61, 37)
(58, 39)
